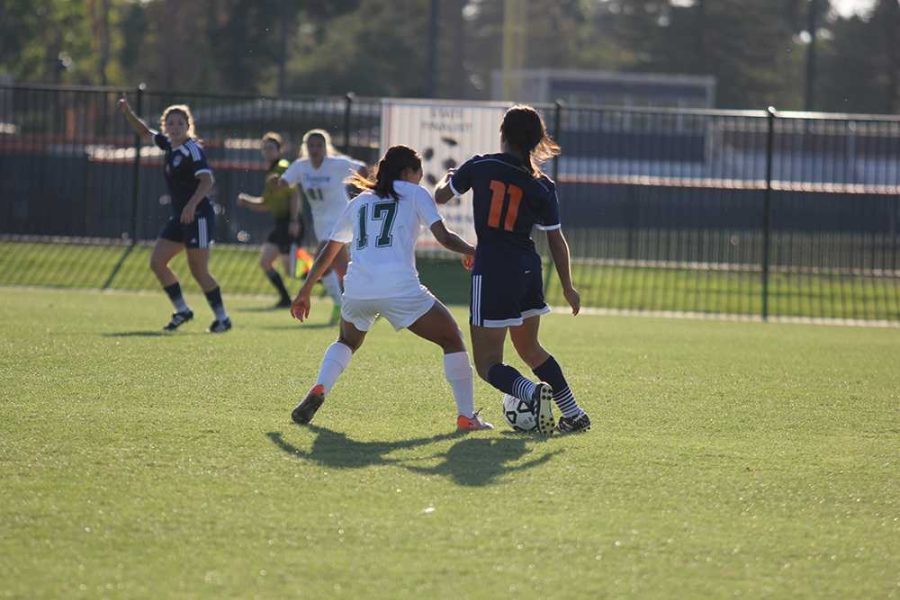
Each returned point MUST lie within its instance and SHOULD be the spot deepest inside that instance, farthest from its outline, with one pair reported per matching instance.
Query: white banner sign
(445, 134)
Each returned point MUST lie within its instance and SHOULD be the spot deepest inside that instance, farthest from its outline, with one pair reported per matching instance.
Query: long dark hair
(391, 166)
(523, 129)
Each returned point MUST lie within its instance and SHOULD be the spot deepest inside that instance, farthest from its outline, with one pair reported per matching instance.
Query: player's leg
(198, 261)
(525, 340)
(163, 252)
(495, 307)
(336, 358)
(487, 349)
(438, 326)
(331, 281)
(267, 257)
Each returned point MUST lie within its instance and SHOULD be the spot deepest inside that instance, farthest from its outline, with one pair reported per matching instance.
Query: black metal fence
(739, 212)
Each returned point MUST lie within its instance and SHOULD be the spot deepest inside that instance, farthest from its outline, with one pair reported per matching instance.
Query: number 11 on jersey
(504, 198)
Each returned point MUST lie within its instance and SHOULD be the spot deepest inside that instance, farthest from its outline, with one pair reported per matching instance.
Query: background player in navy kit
(191, 225)
(510, 196)
(284, 205)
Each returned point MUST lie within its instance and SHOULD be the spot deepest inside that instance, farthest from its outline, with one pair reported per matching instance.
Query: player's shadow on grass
(127, 334)
(336, 450)
(471, 461)
(482, 461)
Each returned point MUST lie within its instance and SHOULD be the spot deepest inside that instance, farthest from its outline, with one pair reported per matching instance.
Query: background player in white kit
(321, 175)
(381, 226)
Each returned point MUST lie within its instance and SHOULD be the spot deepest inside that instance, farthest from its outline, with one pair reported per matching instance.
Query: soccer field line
(589, 311)
(727, 317)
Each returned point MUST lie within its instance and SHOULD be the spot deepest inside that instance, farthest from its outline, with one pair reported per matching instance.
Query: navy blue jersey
(508, 202)
(182, 166)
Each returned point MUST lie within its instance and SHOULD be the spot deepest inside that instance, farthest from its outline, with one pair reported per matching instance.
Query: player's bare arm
(301, 305)
(451, 240)
(294, 227)
(251, 202)
(135, 122)
(203, 188)
(559, 250)
(443, 193)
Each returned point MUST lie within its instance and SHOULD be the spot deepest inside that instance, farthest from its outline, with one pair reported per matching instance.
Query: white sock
(334, 361)
(333, 286)
(458, 372)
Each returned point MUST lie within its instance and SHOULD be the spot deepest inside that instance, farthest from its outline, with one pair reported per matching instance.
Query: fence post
(135, 193)
(767, 211)
(557, 134)
(348, 104)
(557, 131)
(136, 168)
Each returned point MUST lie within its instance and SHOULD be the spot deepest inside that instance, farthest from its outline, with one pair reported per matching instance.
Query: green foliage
(379, 47)
(726, 460)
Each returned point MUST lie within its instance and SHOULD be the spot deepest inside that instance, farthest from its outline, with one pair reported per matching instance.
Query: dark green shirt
(277, 199)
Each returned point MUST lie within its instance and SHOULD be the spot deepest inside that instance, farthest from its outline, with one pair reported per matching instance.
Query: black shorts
(198, 234)
(506, 291)
(281, 236)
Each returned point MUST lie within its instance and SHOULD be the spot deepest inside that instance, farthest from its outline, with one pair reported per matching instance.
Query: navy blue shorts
(507, 291)
(198, 234)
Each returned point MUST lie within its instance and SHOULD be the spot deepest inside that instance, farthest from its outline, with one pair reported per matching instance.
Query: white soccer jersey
(382, 235)
(324, 188)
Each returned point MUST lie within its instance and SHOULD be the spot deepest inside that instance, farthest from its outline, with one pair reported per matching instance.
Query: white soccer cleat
(542, 401)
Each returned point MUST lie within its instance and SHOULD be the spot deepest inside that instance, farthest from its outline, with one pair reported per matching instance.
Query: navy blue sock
(552, 373)
(214, 297)
(278, 282)
(509, 381)
(174, 293)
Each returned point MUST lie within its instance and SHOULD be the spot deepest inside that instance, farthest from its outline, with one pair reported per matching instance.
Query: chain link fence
(746, 213)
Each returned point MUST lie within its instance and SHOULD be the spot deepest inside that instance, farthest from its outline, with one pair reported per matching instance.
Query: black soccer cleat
(283, 303)
(178, 319)
(304, 412)
(218, 326)
(577, 425)
(542, 405)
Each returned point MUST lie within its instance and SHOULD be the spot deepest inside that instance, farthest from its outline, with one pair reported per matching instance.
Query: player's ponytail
(390, 168)
(523, 129)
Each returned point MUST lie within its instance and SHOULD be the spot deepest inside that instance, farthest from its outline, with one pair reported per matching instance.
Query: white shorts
(400, 311)
(323, 228)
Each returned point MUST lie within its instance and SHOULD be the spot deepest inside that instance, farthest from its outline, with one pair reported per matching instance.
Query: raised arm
(443, 193)
(136, 123)
(559, 250)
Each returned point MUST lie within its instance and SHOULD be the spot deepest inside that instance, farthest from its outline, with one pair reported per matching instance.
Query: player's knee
(482, 368)
(452, 341)
(352, 344)
(157, 265)
(534, 357)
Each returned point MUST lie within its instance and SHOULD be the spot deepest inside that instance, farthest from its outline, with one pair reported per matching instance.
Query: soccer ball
(519, 414)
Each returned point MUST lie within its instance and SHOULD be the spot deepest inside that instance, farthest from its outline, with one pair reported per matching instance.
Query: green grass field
(727, 460)
(616, 287)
